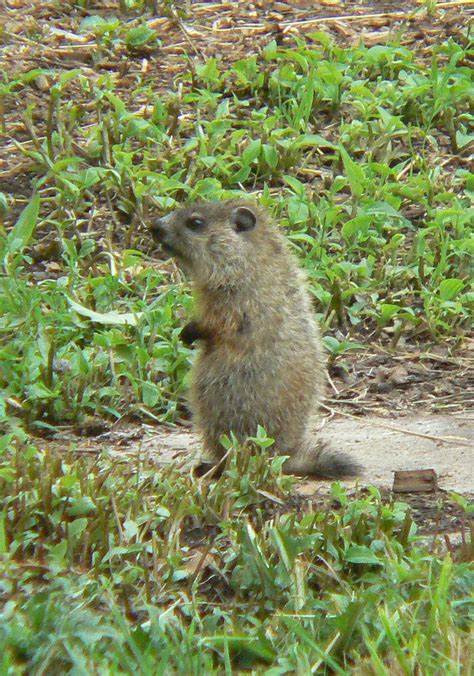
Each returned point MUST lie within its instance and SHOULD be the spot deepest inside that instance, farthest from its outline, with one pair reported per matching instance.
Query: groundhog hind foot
(208, 468)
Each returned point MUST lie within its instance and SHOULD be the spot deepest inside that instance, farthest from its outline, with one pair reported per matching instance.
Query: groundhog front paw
(192, 332)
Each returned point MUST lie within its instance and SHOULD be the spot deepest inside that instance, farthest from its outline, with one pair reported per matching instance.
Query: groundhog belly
(238, 392)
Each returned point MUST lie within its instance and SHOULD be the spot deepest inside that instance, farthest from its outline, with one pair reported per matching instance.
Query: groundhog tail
(324, 463)
(332, 465)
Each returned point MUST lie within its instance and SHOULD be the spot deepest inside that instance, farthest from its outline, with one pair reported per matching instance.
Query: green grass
(112, 566)
(117, 567)
(361, 154)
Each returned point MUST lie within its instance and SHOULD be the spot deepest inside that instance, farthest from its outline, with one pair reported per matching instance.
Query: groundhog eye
(195, 223)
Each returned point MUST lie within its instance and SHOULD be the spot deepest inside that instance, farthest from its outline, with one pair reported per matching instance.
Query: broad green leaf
(449, 288)
(241, 175)
(464, 139)
(298, 211)
(68, 75)
(356, 226)
(206, 187)
(115, 551)
(388, 310)
(150, 394)
(31, 75)
(117, 103)
(65, 163)
(3, 204)
(361, 554)
(23, 229)
(209, 72)
(140, 35)
(300, 59)
(251, 152)
(335, 346)
(271, 156)
(81, 506)
(130, 529)
(302, 237)
(323, 38)
(77, 527)
(250, 649)
(92, 22)
(296, 185)
(354, 173)
(284, 549)
(384, 209)
(313, 140)
(7, 474)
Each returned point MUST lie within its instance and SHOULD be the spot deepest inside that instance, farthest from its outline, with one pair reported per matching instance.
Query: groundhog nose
(158, 229)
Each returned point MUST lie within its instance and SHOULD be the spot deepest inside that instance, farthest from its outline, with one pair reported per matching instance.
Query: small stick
(214, 468)
(445, 440)
(202, 559)
(330, 381)
(362, 17)
(332, 19)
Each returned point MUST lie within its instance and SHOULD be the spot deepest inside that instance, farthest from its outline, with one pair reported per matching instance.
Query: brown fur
(261, 360)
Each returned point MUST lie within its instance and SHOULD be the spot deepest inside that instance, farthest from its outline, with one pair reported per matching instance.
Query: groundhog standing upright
(260, 361)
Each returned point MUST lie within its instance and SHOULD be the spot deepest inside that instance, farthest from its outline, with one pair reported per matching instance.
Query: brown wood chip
(415, 481)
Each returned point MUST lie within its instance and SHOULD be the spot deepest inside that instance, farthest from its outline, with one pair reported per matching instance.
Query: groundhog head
(214, 241)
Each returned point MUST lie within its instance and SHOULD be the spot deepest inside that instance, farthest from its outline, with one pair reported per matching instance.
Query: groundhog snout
(158, 229)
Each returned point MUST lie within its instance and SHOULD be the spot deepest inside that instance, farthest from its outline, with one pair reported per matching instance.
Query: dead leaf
(389, 378)
(107, 318)
(200, 559)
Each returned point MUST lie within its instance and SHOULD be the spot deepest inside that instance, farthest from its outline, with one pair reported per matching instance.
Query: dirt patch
(440, 442)
(392, 384)
(444, 443)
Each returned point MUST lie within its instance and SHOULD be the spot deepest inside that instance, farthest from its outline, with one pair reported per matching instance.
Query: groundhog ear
(244, 219)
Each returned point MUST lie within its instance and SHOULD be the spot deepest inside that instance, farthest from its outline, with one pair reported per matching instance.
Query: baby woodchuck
(261, 361)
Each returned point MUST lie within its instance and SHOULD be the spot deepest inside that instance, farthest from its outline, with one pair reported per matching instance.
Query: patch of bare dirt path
(444, 443)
